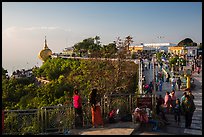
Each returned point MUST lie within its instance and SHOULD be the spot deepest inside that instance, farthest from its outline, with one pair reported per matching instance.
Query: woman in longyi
(95, 109)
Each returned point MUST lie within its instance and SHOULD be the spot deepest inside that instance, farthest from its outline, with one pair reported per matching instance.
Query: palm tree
(97, 38)
(128, 41)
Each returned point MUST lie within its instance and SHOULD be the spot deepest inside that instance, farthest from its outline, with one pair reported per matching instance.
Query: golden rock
(45, 53)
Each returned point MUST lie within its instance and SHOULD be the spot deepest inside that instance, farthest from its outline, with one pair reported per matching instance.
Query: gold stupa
(45, 53)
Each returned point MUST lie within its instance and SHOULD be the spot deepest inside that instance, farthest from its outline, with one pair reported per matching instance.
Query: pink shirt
(77, 101)
(166, 99)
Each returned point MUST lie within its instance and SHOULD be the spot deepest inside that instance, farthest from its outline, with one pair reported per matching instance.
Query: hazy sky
(25, 25)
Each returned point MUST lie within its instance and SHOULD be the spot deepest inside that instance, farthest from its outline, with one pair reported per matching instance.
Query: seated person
(158, 121)
(112, 116)
(140, 115)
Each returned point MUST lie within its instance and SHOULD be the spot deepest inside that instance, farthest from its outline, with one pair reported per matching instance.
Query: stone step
(198, 104)
(197, 101)
(195, 120)
(198, 109)
(197, 96)
(182, 125)
(193, 131)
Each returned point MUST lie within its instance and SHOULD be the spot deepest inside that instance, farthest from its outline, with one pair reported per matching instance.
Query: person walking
(177, 111)
(149, 64)
(160, 84)
(178, 83)
(188, 107)
(167, 77)
(191, 95)
(160, 100)
(167, 101)
(77, 102)
(173, 100)
(162, 77)
(182, 100)
(173, 83)
(198, 64)
(183, 97)
(151, 86)
(95, 109)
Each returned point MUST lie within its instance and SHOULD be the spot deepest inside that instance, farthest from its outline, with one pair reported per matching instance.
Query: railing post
(42, 120)
(2, 121)
(39, 120)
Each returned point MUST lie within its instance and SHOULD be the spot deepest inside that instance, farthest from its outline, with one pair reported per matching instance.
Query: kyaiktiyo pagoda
(45, 53)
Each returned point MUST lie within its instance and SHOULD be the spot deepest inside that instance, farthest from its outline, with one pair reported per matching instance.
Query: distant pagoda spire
(45, 47)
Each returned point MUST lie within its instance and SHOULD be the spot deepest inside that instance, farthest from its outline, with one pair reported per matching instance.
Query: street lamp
(154, 90)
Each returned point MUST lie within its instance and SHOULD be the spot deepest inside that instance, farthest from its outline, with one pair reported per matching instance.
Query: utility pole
(154, 90)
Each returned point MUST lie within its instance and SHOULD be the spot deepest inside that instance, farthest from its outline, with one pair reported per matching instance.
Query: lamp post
(154, 90)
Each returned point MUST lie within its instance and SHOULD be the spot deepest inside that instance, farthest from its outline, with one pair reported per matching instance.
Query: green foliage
(4, 72)
(187, 42)
(159, 55)
(16, 124)
(64, 75)
(109, 51)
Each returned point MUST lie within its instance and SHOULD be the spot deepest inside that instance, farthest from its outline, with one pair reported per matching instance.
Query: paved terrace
(120, 128)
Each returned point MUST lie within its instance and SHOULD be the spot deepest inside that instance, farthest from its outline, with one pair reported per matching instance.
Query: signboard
(144, 101)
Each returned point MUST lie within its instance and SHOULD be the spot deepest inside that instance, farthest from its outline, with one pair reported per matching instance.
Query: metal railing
(58, 119)
(38, 121)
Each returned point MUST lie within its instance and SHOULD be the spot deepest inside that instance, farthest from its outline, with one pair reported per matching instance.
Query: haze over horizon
(25, 25)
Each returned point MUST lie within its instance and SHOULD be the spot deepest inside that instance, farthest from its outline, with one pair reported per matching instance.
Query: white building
(159, 46)
(152, 46)
(191, 52)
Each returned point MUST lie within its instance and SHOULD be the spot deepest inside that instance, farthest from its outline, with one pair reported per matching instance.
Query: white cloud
(12, 30)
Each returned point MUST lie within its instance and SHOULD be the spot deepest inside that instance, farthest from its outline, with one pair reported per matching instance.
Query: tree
(97, 38)
(109, 51)
(88, 46)
(187, 42)
(200, 46)
(4, 73)
(128, 41)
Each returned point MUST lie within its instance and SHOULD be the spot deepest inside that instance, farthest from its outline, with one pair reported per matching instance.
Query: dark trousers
(188, 119)
(177, 117)
(78, 117)
(179, 86)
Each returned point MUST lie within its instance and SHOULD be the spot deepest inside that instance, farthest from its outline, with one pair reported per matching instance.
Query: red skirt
(96, 116)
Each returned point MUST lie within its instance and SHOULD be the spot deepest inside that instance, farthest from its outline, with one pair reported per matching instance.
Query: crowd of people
(183, 106)
(170, 103)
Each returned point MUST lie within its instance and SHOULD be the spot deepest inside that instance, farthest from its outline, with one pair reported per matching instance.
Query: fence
(58, 119)
(21, 121)
(53, 119)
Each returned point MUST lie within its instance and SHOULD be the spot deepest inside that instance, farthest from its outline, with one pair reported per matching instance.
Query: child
(177, 111)
(112, 116)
